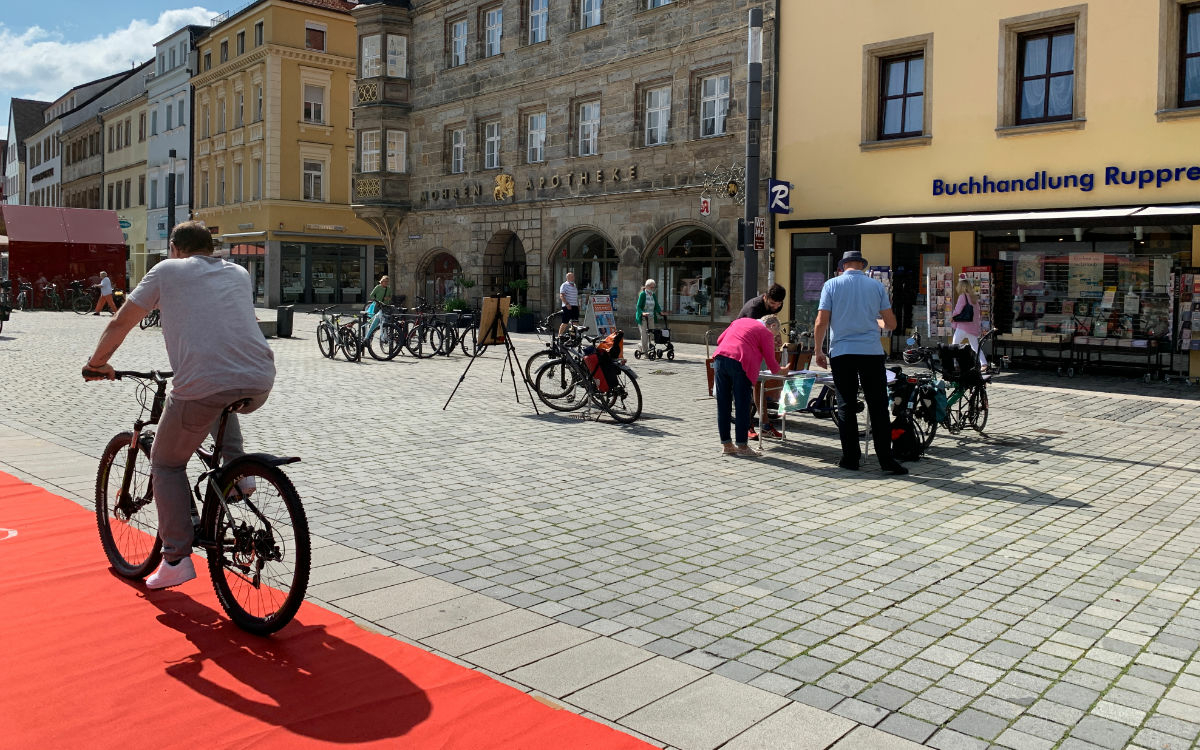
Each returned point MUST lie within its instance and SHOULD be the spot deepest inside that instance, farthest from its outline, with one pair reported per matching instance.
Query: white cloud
(37, 64)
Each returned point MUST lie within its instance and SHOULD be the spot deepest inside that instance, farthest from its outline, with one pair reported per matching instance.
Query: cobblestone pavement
(1034, 587)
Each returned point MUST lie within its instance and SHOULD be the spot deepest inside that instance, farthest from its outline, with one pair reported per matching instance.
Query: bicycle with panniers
(592, 374)
(957, 365)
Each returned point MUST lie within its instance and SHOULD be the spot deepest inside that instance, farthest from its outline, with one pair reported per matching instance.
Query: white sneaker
(169, 575)
(245, 488)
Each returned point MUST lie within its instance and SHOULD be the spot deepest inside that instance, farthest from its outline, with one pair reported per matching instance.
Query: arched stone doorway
(505, 266)
(592, 258)
(442, 276)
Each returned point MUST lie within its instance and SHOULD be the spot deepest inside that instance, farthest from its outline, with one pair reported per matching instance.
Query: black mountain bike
(251, 524)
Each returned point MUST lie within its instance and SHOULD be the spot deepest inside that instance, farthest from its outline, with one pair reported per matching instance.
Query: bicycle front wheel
(977, 408)
(351, 344)
(385, 342)
(259, 551)
(925, 418)
(624, 398)
(424, 341)
(535, 361)
(327, 340)
(561, 386)
(83, 304)
(128, 521)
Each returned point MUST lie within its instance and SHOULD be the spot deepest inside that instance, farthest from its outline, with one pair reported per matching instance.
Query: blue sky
(49, 46)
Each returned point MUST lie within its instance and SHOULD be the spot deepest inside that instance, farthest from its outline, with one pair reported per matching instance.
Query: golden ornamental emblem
(505, 187)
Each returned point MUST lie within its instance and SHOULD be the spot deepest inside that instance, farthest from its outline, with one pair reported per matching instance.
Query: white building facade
(169, 93)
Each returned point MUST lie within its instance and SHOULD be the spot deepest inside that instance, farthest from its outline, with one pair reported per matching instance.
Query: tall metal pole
(753, 115)
(171, 196)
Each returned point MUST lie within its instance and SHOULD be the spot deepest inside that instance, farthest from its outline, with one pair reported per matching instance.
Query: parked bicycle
(24, 296)
(595, 375)
(538, 358)
(251, 523)
(50, 299)
(151, 320)
(958, 365)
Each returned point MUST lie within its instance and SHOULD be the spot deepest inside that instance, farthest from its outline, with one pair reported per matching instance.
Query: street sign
(705, 206)
(780, 193)
(125, 224)
(760, 233)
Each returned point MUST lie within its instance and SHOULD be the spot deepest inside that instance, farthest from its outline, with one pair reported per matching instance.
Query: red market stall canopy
(63, 244)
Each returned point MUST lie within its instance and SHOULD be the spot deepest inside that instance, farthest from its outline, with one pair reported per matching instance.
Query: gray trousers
(181, 430)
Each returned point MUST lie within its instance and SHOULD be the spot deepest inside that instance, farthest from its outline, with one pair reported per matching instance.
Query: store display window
(693, 268)
(593, 259)
(1088, 284)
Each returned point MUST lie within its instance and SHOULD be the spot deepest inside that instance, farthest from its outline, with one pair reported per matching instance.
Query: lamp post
(170, 198)
(753, 117)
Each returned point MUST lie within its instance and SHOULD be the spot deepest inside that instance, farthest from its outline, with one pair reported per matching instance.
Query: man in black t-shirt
(765, 304)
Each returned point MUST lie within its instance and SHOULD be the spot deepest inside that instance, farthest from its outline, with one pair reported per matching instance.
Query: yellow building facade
(1022, 140)
(274, 148)
(124, 134)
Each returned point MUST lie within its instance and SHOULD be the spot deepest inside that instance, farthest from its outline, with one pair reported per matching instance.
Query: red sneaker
(771, 432)
(752, 435)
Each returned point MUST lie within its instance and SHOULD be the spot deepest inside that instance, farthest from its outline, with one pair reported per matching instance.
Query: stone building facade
(516, 140)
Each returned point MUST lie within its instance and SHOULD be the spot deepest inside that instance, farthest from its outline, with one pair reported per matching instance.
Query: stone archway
(441, 277)
(505, 266)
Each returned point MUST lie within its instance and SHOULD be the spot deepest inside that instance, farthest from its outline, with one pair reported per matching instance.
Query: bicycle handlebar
(158, 376)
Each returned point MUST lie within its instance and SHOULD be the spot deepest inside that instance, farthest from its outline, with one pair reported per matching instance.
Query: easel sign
(600, 314)
(489, 332)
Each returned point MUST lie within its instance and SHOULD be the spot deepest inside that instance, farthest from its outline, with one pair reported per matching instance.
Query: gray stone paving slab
(528, 648)
(635, 687)
(402, 597)
(1021, 574)
(704, 714)
(793, 727)
(579, 667)
(447, 615)
(866, 738)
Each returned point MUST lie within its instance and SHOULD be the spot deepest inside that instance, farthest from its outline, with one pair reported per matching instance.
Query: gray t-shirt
(213, 340)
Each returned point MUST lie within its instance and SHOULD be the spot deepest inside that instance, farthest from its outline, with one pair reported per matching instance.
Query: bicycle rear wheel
(624, 398)
(83, 304)
(424, 341)
(327, 340)
(925, 418)
(385, 342)
(977, 408)
(350, 343)
(259, 550)
(128, 523)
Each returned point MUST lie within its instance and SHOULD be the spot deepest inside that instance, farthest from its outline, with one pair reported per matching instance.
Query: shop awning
(1087, 217)
(51, 224)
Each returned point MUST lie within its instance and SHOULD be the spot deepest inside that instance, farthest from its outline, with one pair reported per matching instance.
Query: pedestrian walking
(568, 294)
(648, 312)
(106, 296)
(966, 320)
(741, 350)
(850, 308)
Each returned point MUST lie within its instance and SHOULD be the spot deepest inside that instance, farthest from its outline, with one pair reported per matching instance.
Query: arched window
(593, 259)
(693, 268)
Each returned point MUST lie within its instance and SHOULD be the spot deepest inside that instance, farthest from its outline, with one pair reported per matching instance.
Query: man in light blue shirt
(850, 309)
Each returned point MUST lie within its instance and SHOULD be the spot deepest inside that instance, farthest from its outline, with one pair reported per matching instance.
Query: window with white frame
(314, 174)
(153, 193)
(241, 109)
(458, 150)
(589, 128)
(258, 34)
(237, 182)
(657, 3)
(714, 105)
(458, 42)
(491, 145)
(397, 56)
(170, 117)
(493, 29)
(589, 13)
(397, 151)
(314, 36)
(179, 109)
(220, 186)
(535, 138)
(258, 110)
(314, 103)
(220, 115)
(539, 15)
(154, 122)
(256, 165)
(370, 61)
(204, 118)
(241, 44)
(658, 114)
(369, 160)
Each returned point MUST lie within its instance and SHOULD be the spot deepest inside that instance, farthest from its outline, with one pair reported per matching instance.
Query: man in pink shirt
(741, 348)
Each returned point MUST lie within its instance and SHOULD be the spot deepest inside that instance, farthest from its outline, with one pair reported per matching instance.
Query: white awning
(1086, 217)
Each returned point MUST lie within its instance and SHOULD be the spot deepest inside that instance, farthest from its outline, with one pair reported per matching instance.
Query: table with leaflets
(795, 393)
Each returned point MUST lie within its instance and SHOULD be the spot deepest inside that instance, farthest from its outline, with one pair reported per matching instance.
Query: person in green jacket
(380, 295)
(648, 312)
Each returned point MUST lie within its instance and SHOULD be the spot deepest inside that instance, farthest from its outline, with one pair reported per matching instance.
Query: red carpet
(90, 660)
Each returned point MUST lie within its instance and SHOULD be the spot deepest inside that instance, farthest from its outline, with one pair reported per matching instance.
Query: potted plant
(454, 303)
(520, 319)
(465, 284)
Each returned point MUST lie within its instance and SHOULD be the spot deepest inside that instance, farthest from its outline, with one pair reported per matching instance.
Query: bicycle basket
(959, 363)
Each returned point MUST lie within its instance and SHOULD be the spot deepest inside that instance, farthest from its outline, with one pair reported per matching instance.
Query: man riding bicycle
(219, 356)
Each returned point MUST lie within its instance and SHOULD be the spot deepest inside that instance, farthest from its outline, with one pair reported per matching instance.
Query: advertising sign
(760, 233)
(600, 316)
